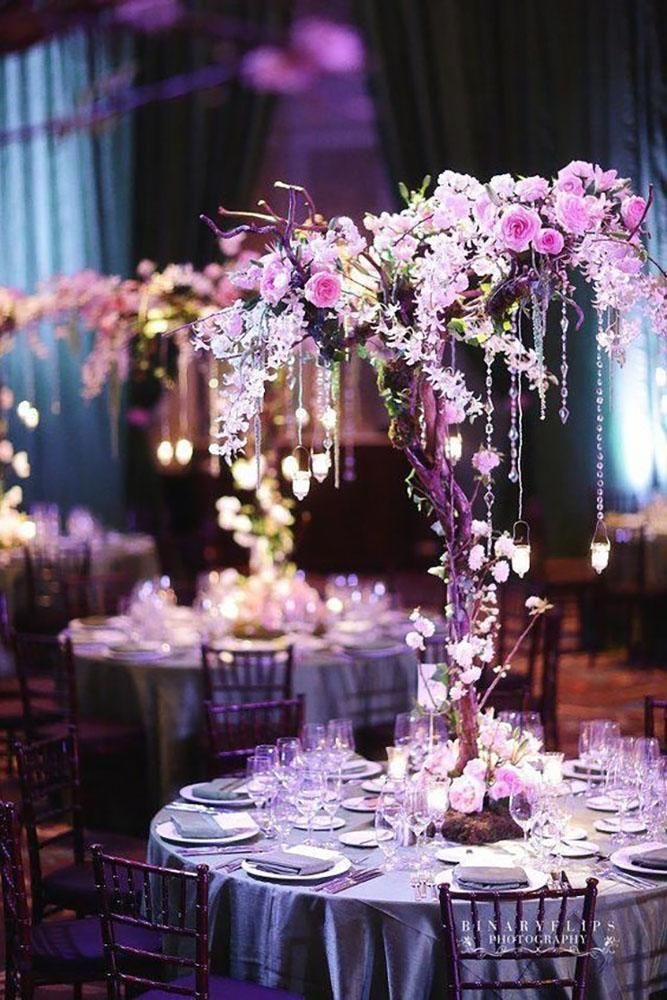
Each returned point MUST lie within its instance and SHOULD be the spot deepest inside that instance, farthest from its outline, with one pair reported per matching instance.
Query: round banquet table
(165, 696)
(375, 942)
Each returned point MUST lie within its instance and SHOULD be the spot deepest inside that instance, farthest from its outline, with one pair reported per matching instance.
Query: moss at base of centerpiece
(493, 823)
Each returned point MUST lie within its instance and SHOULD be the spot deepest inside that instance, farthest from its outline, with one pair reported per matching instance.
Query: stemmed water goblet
(309, 798)
(340, 740)
(418, 816)
(314, 738)
(621, 782)
(389, 815)
(262, 786)
(523, 809)
(332, 795)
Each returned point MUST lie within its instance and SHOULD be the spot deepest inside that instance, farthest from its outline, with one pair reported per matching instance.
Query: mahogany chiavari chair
(173, 905)
(234, 676)
(539, 930)
(48, 568)
(653, 707)
(97, 594)
(52, 815)
(47, 680)
(235, 730)
(65, 952)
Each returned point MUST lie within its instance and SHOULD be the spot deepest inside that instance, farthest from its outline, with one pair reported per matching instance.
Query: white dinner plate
(602, 803)
(339, 865)
(187, 793)
(361, 803)
(578, 849)
(472, 856)
(611, 824)
(96, 637)
(321, 823)
(572, 786)
(167, 831)
(374, 786)
(575, 833)
(139, 651)
(354, 771)
(536, 880)
(623, 859)
(364, 838)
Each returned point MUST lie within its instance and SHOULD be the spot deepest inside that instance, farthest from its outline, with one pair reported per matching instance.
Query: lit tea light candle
(437, 797)
(398, 759)
(552, 768)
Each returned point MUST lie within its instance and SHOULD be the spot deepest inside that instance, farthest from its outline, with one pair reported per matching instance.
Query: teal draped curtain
(487, 87)
(65, 204)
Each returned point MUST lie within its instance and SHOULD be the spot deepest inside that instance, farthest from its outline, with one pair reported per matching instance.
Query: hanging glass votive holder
(600, 547)
(320, 463)
(454, 446)
(302, 475)
(521, 550)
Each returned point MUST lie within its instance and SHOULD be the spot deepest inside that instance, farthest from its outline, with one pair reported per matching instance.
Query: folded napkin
(216, 791)
(490, 877)
(288, 863)
(580, 768)
(197, 826)
(657, 858)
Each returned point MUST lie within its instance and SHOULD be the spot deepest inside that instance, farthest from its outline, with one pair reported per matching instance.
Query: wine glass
(621, 782)
(261, 786)
(340, 737)
(309, 797)
(522, 806)
(586, 752)
(418, 816)
(531, 722)
(314, 737)
(388, 817)
(437, 798)
(332, 794)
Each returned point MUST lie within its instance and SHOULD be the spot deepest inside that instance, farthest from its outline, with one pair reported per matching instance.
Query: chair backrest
(174, 904)
(652, 709)
(5, 626)
(235, 730)
(47, 680)
(50, 803)
(548, 924)
(98, 594)
(18, 952)
(551, 624)
(234, 676)
(48, 568)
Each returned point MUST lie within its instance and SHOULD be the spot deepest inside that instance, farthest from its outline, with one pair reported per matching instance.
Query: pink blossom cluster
(503, 766)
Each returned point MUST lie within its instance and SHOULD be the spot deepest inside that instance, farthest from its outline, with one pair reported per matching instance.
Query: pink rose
(506, 781)
(453, 414)
(570, 184)
(548, 241)
(323, 289)
(518, 227)
(275, 279)
(632, 211)
(475, 768)
(466, 794)
(604, 179)
(532, 188)
(485, 461)
(572, 213)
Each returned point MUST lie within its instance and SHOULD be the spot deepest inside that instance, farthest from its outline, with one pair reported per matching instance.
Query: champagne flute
(331, 799)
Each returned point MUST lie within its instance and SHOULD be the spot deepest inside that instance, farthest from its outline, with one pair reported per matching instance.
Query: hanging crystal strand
(600, 544)
(489, 496)
(519, 458)
(335, 403)
(538, 313)
(513, 435)
(213, 385)
(349, 401)
(258, 448)
(564, 412)
(299, 401)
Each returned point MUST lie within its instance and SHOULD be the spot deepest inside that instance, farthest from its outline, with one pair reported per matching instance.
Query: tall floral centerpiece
(488, 268)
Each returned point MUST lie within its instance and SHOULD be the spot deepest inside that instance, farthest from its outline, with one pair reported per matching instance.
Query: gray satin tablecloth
(374, 942)
(165, 697)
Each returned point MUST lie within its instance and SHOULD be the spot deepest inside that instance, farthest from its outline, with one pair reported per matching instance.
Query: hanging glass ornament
(521, 549)
(453, 445)
(320, 463)
(513, 436)
(288, 467)
(302, 475)
(165, 452)
(539, 318)
(600, 548)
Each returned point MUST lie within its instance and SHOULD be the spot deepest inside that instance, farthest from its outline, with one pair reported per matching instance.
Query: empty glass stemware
(309, 797)
(522, 806)
(331, 800)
